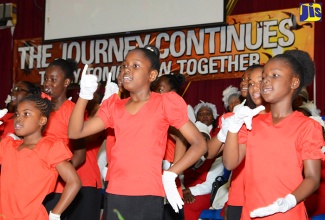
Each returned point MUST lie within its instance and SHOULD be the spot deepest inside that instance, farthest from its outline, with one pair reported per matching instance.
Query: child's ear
(295, 83)
(43, 120)
(67, 82)
(153, 75)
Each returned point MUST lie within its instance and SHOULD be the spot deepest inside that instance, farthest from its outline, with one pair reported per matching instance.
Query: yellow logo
(310, 12)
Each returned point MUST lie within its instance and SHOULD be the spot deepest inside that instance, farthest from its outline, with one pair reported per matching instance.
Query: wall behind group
(30, 16)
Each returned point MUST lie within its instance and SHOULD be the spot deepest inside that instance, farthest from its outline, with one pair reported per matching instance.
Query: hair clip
(45, 96)
(150, 48)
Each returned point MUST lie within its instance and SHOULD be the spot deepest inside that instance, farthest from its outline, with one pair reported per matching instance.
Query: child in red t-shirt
(30, 167)
(282, 145)
(136, 187)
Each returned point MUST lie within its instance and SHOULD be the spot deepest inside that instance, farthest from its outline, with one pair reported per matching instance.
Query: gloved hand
(15, 137)
(88, 85)
(166, 164)
(110, 88)
(243, 114)
(8, 99)
(3, 112)
(280, 205)
(173, 197)
(222, 134)
(54, 216)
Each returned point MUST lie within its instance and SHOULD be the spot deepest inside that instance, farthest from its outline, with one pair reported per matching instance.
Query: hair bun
(152, 49)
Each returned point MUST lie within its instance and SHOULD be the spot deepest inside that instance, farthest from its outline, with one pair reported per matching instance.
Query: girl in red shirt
(136, 188)
(30, 166)
(281, 145)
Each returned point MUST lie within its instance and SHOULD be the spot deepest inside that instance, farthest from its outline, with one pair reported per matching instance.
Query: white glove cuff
(221, 137)
(53, 216)
(291, 199)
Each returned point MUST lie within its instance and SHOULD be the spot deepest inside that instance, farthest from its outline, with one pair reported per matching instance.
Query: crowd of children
(162, 155)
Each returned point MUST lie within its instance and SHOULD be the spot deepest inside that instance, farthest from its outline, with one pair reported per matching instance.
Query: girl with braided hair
(30, 167)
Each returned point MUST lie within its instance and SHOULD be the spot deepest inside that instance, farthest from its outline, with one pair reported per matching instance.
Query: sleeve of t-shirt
(4, 144)
(175, 109)
(58, 152)
(312, 141)
(106, 109)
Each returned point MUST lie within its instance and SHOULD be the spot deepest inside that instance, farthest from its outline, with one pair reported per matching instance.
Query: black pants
(234, 212)
(134, 207)
(86, 205)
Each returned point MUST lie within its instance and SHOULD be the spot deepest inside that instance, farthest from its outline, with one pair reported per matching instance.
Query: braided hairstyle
(67, 66)
(43, 104)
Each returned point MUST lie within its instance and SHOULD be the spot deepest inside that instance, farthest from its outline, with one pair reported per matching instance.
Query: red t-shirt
(89, 172)
(136, 158)
(57, 127)
(315, 203)
(274, 160)
(27, 176)
(170, 149)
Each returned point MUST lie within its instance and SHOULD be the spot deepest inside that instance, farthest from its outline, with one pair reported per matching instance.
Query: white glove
(3, 112)
(280, 205)
(88, 85)
(103, 172)
(173, 197)
(53, 216)
(15, 137)
(110, 88)
(166, 164)
(8, 99)
(243, 114)
(222, 134)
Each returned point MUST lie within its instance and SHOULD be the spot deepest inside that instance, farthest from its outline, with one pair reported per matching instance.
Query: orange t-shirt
(89, 172)
(57, 127)
(110, 142)
(27, 176)
(274, 160)
(170, 149)
(136, 158)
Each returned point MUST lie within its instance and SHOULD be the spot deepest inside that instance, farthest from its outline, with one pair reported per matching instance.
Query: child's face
(162, 86)
(278, 81)
(254, 86)
(18, 92)
(28, 119)
(135, 71)
(243, 86)
(233, 101)
(55, 84)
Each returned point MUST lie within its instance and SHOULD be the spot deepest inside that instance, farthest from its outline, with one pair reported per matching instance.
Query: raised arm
(77, 127)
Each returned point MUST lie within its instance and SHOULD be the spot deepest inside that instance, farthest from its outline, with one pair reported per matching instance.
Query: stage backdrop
(207, 53)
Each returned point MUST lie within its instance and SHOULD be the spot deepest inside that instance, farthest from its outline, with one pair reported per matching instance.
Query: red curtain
(30, 14)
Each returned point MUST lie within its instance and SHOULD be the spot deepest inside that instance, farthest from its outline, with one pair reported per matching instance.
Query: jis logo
(310, 12)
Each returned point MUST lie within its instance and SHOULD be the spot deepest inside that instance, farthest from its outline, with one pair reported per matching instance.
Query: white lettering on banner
(29, 55)
(200, 51)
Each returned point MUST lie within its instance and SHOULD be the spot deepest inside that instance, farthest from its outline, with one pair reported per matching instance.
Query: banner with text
(205, 53)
